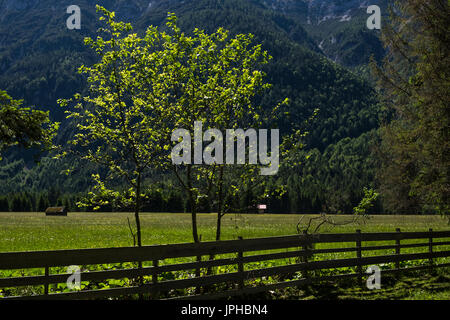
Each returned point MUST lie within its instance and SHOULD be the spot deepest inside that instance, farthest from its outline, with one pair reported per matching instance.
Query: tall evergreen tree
(4, 204)
(414, 83)
(43, 203)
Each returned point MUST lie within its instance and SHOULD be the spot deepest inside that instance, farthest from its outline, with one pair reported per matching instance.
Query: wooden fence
(297, 272)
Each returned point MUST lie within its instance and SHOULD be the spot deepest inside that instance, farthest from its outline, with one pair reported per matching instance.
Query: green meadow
(35, 231)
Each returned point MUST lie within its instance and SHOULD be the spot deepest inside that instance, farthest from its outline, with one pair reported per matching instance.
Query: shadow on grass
(407, 286)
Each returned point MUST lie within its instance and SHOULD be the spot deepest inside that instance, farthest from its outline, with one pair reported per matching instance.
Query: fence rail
(302, 248)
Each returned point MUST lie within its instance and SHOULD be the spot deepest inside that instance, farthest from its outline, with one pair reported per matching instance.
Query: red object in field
(261, 208)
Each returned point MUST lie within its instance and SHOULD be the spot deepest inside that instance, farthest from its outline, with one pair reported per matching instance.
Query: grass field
(34, 231)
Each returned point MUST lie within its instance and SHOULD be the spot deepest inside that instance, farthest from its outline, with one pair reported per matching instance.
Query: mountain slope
(338, 27)
(39, 66)
(39, 56)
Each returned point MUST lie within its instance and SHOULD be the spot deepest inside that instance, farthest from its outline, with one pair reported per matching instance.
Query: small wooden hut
(56, 211)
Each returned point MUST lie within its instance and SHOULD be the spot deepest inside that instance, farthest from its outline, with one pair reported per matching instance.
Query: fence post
(397, 250)
(430, 249)
(155, 276)
(197, 274)
(359, 256)
(240, 255)
(47, 272)
(305, 253)
(140, 280)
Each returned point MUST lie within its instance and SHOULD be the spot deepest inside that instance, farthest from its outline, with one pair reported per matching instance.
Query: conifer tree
(414, 84)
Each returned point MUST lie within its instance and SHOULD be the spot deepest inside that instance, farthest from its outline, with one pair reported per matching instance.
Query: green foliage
(117, 122)
(144, 88)
(23, 126)
(370, 196)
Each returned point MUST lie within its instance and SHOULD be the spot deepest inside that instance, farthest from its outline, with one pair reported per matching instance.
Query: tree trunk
(219, 214)
(219, 205)
(193, 205)
(138, 227)
(137, 209)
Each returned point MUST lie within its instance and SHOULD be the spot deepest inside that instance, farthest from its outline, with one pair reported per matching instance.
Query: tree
(43, 203)
(210, 79)
(146, 88)
(23, 126)
(218, 82)
(117, 125)
(17, 203)
(4, 204)
(414, 84)
(370, 197)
